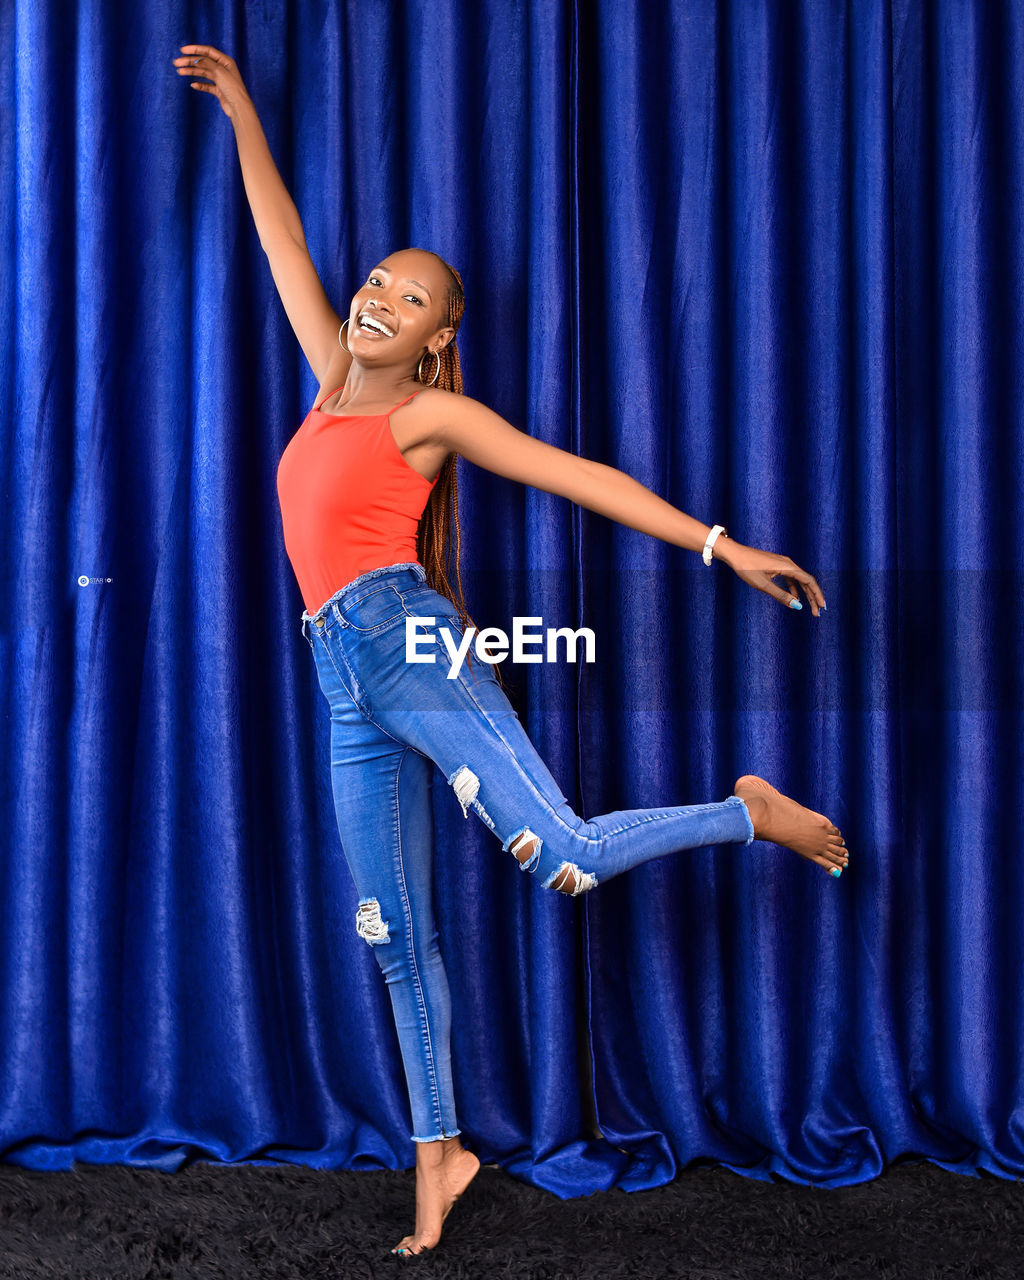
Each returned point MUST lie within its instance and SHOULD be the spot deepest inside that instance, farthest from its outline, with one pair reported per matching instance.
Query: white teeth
(368, 322)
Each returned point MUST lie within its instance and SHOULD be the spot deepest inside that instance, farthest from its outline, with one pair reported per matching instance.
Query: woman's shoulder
(434, 400)
(432, 404)
(437, 395)
(435, 413)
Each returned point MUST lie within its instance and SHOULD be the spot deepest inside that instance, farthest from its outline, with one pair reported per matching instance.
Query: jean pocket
(375, 610)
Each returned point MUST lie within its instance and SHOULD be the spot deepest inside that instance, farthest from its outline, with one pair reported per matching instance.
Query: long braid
(441, 514)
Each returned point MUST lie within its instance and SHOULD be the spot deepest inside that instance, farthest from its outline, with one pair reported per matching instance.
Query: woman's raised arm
(278, 224)
(487, 439)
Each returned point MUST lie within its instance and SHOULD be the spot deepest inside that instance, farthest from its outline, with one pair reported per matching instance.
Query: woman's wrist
(722, 548)
(243, 112)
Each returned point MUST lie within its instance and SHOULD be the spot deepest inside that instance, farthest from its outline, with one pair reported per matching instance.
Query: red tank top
(349, 500)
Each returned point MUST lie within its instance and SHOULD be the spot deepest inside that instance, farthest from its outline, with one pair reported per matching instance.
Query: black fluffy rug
(210, 1220)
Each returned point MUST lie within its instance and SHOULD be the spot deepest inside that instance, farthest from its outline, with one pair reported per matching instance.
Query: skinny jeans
(392, 721)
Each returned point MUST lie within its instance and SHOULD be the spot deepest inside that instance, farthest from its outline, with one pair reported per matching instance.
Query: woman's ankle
(434, 1153)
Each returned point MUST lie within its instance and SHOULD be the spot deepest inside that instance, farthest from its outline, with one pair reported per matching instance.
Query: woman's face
(399, 313)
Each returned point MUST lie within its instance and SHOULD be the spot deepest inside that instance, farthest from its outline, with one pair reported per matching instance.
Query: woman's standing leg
(383, 806)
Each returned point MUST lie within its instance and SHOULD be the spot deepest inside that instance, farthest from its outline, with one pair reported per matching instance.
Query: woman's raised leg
(471, 731)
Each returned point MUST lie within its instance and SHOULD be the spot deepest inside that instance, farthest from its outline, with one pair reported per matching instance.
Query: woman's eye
(412, 296)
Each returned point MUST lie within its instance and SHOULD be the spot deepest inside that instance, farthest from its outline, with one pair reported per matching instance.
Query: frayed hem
(441, 1137)
(746, 814)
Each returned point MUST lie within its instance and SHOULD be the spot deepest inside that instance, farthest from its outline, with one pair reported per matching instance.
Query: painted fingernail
(795, 604)
(824, 607)
(836, 871)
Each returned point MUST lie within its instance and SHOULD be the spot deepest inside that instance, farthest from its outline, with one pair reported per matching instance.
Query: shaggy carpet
(209, 1220)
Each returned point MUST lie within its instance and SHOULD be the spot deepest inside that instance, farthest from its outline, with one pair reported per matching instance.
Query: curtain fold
(764, 258)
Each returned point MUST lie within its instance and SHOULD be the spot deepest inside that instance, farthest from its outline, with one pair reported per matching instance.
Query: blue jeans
(391, 722)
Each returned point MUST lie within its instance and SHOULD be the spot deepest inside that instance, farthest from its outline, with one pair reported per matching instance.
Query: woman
(366, 515)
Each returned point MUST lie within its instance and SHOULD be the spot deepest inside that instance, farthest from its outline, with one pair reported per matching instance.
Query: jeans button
(319, 622)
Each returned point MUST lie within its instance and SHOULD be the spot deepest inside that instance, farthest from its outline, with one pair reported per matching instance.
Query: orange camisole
(349, 500)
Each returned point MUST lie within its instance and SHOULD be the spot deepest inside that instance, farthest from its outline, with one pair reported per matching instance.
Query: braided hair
(441, 514)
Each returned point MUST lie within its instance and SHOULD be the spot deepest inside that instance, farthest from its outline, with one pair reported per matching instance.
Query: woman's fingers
(815, 595)
(202, 59)
(217, 66)
(794, 592)
(777, 592)
(759, 568)
(797, 577)
(208, 51)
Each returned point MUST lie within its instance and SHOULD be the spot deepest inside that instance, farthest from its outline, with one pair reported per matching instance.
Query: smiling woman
(367, 489)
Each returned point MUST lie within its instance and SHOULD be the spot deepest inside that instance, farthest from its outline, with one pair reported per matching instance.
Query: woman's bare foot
(444, 1169)
(778, 818)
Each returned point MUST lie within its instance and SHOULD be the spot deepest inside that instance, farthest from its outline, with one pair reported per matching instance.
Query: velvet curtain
(764, 257)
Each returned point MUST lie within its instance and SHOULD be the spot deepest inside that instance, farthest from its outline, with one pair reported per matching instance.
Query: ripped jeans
(391, 722)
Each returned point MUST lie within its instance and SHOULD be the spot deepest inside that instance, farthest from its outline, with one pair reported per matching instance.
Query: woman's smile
(373, 326)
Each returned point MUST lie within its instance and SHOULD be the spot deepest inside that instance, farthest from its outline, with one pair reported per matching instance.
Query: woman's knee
(369, 925)
(403, 951)
(567, 877)
(525, 844)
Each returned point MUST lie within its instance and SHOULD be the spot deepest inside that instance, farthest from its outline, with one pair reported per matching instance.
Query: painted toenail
(836, 871)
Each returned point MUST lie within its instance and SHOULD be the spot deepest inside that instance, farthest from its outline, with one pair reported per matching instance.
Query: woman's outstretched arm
(278, 224)
(485, 438)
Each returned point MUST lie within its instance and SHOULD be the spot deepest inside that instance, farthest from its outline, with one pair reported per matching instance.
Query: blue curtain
(764, 257)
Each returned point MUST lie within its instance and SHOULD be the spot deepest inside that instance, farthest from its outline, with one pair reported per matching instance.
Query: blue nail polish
(795, 604)
(836, 871)
(824, 608)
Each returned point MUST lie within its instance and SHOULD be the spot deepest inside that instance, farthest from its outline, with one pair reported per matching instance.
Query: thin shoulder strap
(328, 396)
(405, 401)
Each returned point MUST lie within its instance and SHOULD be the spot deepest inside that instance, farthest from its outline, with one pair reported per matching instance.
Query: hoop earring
(340, 332)
(437, 371)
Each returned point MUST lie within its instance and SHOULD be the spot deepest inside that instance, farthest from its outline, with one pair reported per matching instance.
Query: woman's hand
(205, 60)
(758, 568)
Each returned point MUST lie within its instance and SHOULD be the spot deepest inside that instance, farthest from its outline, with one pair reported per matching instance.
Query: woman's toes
(406, 1248)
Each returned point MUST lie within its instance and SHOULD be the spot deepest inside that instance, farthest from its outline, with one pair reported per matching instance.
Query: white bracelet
(719, 528)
